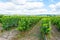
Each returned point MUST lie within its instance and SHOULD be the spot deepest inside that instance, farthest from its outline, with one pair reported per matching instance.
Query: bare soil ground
(55, 34)
(33, 34)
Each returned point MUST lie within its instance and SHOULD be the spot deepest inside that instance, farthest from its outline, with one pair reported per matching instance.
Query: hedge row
(56, 21)
(45, 26)
(27, 22)
(9, 21)
(0, 18)
(21, 23)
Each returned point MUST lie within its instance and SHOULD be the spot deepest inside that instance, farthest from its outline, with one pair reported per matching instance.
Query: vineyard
(24, 24)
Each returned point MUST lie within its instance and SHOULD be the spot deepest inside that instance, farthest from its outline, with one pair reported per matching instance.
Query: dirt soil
(55, 34)
(33, 34)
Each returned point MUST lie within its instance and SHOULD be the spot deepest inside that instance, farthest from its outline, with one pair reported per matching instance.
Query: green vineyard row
(23, 23)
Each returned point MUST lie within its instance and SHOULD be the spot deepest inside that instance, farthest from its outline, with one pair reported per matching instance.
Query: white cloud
(7, 5)
(19, 1)
(36, 11)
(55, 8)
(34, 4)
(23, 7)
(52, 6)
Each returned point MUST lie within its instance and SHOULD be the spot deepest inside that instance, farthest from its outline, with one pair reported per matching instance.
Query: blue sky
(29, 7)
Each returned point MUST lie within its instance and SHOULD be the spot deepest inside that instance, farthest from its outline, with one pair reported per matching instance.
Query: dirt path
(55, 35)
(8, 35)
(33, 34)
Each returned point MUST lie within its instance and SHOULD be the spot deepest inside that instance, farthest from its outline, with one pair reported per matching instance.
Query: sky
(29, 7)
